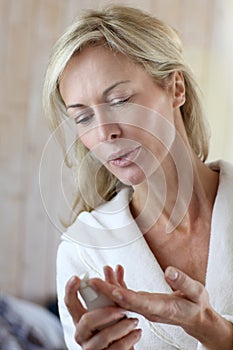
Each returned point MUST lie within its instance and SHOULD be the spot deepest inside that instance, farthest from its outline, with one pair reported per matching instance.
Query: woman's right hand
(121, 335)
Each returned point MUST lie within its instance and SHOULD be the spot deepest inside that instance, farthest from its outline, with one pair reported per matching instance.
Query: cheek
(88, 139)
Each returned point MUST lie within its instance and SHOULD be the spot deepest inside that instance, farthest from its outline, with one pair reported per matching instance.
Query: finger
(115, 277)
(110, 275)
(128, 341)
(120, 275)
(123, 297)
(134, 301)
(178, 280)
(72, 302)
(140, 302)
(156, 307)
(150, 305)
(104, 287)
(93, 320)
(109, 335)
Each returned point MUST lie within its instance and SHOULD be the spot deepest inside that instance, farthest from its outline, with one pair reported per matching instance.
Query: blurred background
(28, 30)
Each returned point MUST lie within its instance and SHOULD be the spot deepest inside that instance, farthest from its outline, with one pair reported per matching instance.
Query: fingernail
(117, 294)
(138, 332)
(172, 274)
(105, 268)
(135, 322)
(122, 313)
(72, 281)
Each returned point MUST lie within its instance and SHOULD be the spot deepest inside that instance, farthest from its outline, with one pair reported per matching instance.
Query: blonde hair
(144, 39)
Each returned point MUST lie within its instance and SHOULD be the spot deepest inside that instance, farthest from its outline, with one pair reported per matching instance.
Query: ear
(178, 89)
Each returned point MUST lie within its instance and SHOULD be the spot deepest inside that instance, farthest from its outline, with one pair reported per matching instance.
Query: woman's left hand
(188, 306)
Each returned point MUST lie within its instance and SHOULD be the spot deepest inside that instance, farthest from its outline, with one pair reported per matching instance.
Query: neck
(177, 196)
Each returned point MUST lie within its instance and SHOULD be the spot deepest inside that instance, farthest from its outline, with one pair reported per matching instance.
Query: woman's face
(122, 116)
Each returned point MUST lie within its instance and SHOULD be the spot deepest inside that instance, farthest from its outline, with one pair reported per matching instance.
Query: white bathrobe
(110, 236)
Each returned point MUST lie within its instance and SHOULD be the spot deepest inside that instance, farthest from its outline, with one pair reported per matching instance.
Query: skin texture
(188, 306)
(121, 335)
(107, 129)
(97, 106)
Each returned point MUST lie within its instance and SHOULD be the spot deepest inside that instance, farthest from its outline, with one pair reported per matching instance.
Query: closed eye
(84, 118)
(119, 101)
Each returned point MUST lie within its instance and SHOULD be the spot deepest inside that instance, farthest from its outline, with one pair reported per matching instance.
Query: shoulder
(68, 261)
(225, 170)
(103, 226)
(222, 219)
(116, 206)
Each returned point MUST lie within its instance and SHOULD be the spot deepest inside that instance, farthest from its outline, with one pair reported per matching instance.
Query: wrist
(213, 331)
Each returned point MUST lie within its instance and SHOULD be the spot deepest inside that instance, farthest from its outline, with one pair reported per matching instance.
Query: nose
(108, 131)
(107, 127)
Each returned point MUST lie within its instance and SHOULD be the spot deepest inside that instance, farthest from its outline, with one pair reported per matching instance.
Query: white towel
(110, 236)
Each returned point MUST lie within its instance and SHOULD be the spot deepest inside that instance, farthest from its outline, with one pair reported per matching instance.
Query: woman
(146, 199)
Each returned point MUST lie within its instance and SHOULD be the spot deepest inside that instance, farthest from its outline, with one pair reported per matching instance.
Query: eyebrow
(79, 105)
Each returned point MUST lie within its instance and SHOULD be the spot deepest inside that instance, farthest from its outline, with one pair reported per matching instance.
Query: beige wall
(28, 29)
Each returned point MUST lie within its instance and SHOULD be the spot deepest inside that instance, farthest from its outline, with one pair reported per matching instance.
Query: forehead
(96, 68)
(99, 58)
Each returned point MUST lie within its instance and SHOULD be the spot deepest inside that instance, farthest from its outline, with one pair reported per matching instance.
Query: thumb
(178, 280)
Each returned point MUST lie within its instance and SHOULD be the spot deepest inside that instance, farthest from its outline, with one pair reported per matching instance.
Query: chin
(133, 179)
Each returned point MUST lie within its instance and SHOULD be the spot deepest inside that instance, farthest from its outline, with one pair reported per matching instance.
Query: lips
(124, 157)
